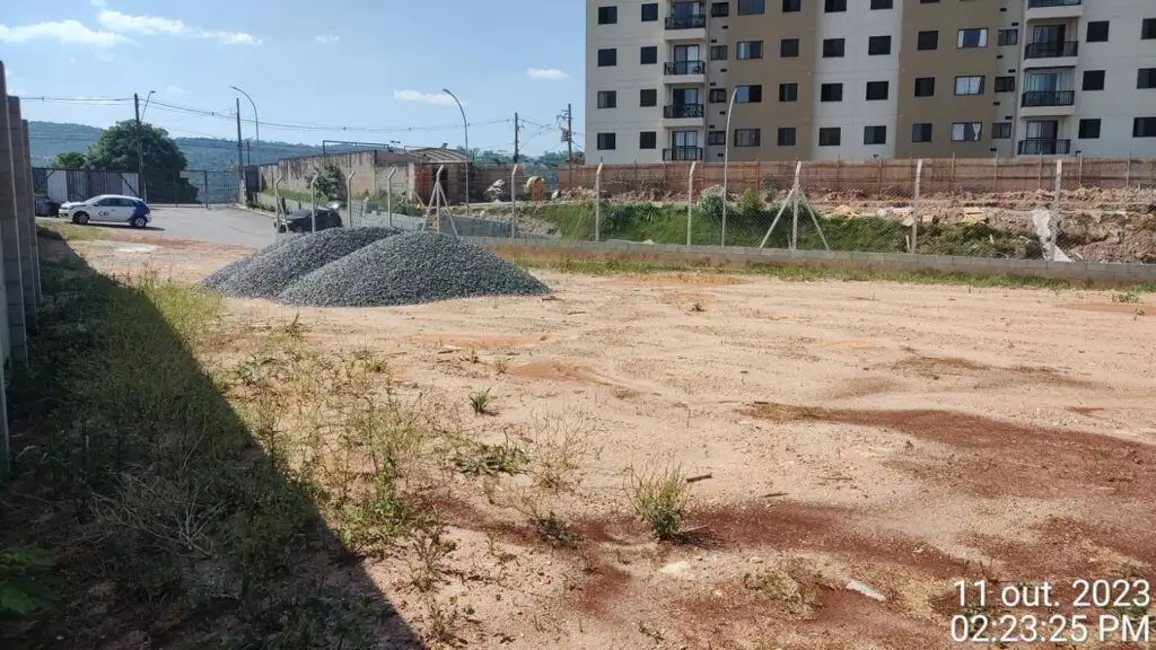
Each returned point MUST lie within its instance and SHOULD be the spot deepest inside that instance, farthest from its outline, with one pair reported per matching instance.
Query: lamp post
(726, 160)
(469, 158)
(256, 120)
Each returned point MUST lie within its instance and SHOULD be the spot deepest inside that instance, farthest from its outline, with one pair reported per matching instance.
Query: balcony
(678, 154)
(1044, 147)
(1052, 9)
(682, 112)
(686, 67)
(697, 21)
(1059, 50)
(1037, 98)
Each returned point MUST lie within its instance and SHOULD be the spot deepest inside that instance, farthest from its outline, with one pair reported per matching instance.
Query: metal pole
(795, 208)
(240, 155)
(469, 156)
(389, 194)
(256, 120)
(726, 163)
(206, 196)
(1054, 226)
(313, 199)
(690, 201)
(277, 198)
(140, 171)
(598, 202)
(514, 202)
(915, 207)
(349, 195)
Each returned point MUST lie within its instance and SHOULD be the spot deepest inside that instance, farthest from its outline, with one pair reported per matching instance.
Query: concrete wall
(371, 172)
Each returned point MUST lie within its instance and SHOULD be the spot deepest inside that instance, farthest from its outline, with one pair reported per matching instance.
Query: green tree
(116, 151)
(330, 185)
(69, 160)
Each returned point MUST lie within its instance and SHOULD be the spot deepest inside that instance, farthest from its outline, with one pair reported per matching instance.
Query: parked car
(108, 208)
(302, 220)
(46, 207)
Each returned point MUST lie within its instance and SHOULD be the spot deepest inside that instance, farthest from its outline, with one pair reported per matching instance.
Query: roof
(436, 155)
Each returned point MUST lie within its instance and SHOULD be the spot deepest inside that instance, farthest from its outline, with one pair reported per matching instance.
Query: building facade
(862, 79)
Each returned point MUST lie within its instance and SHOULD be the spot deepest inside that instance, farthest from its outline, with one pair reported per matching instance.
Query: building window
(748, 94)
(749, 50)
(966, 131)
(786, 136)
(928, 40)
(1089, 129)
(1001, 130)
(878, 45)
(1005, 85)
(1093, 80)
(607, 99)
(747, 7)
(717, 96)
(606, 142)
(1144, 127)
(877, 90)
(1148, 29)
(928, 2)
(607, 15)
(1009, 37)
(650, 13)
(969, 85)
(834, 47)
(648, 140)
(830, 136)
(832, 6)
(648, 97)
(921, 132)
(720, 9)
(648, 55)
(789, 48)
(716, 137)
(882, 4)
(925, 87)
(874, 135)
(718, 53)
(789, 92)
(1146, 78)
(607, 58)
(1098, 31)
(969, 38)
(831, 92)
(747, 137)
(792, 5)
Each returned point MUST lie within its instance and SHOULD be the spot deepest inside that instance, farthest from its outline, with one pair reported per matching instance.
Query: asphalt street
(218, 225)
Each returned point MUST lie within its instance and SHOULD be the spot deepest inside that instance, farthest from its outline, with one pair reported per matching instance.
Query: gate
(190, 187)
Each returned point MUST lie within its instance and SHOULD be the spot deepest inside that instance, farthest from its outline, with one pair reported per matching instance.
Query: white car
(108, 208)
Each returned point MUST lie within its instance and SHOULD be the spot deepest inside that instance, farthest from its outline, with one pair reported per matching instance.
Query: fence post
(1128, 172)
(915, 207)
(598, 202)
(1040, 175)
(349, 195)
(690, 200)
(953, 172)
(514, 202)
(206, 173)
(1055, 221)
(1080, 171)
(313, 200)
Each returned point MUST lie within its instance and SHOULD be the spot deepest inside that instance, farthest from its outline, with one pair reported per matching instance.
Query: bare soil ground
(902, 436)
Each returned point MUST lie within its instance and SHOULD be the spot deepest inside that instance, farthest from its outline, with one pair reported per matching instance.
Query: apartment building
(862, 79)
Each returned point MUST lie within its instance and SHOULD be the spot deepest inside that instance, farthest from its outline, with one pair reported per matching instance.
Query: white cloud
(327, 39)
(155, 25)
(173, 90)
(99, 4)
(68, 32)
(546, 74)
(437, 99)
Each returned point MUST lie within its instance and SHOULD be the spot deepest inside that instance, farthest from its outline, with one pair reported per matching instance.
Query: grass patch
(660, 498)
(69, 231)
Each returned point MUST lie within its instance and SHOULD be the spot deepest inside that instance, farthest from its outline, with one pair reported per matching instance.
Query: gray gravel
(280, 265)
(217, 280)
(411, 268)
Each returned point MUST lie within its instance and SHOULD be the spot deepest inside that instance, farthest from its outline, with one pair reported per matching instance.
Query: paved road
(221, 225)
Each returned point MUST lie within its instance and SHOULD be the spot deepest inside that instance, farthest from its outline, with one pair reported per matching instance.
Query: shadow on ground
(166, 524)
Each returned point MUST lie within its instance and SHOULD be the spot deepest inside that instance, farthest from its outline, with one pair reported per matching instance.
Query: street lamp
(256, 120)
(469, 158)
(146, 104)
(726, 160)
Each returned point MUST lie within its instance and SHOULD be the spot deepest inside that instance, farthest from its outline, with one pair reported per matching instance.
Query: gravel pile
(408, 269)
(273, 269)
(218, 279)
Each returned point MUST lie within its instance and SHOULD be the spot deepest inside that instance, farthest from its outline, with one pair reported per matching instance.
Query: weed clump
(660, 498)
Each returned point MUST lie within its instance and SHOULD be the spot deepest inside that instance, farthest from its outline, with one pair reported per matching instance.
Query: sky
(354, 70)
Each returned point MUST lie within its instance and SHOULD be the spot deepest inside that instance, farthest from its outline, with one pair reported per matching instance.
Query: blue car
(109, 208)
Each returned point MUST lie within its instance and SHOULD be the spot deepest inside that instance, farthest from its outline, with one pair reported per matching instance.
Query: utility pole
(240, 155)
(140, 170)
(248, 152)
(569, 134)
(516, 141)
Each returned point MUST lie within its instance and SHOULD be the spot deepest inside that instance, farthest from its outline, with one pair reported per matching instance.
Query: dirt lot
(901, 436)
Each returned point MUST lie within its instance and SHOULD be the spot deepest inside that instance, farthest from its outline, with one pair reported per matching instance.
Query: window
(747, 137)
(747, 7)
(716, 137)
(1009, 37)
(789, 48)
(830, 136)
(834, 47)
(648, 55)
(607, 99)
(969, 85)
(748, 94)
(749, 50)
(877, 90)
(928, 2)
(925, 87)
(789, 92)
(648, 97)
(1093, 80)
(607, 15)
(607, 58)
(1001, 130)
(720, 9)
(650, 13)
(718, 53)
(606, 142)
(717, 96)
(928, 40)
(1098, 31)
(1005, 85)
(786, 136)
(874, 135)
(1148, 29)
(877, 45)
(831, 93)
(792, 5)
(969, 38)
(1144, 127)
(831, 6)
(882, 4)
(648, 140)
(966, 131)
(1089, 129)
(1146, 78)
(921, 132)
